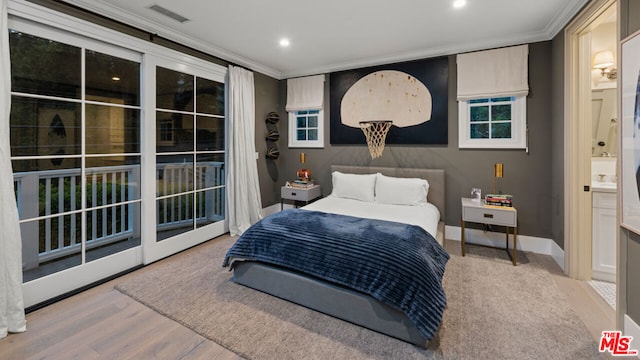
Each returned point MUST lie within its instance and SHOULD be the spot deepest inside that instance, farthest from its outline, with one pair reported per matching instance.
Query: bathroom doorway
(590, 181)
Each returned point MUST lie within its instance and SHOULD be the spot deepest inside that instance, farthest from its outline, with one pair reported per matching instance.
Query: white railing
(53, 198)
(175, 211)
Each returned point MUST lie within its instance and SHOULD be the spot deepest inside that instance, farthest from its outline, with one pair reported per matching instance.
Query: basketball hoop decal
(375, 132)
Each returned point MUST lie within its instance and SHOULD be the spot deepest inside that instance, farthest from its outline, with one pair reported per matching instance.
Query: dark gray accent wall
(526, 176)
(629, 243)
(557, 139)
(267, 95)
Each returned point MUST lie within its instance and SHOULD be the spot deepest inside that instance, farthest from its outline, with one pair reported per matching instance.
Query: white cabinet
(604, 236)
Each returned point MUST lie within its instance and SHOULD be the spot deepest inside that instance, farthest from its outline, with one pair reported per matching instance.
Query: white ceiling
(333, 35)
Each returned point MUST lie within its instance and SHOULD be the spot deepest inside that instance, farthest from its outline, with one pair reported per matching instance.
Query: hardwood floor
(102, 323)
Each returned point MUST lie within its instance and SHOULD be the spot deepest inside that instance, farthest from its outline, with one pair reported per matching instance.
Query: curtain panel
(243, 188)
(493, 73)
(12, 317)
(305, 93)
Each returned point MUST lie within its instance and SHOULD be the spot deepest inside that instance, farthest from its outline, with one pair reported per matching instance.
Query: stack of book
(303, 184)
(498, 200)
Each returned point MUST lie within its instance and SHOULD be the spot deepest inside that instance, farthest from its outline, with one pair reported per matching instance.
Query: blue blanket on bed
(398, 264)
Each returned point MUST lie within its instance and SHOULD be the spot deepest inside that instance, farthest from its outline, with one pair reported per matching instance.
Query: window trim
(294, 143)
(518, 128)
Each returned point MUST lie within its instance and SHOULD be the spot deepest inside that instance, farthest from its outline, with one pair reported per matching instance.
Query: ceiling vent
(169, 13)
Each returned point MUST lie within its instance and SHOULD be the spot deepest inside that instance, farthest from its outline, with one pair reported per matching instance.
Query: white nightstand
(477, 212)
(299, 194)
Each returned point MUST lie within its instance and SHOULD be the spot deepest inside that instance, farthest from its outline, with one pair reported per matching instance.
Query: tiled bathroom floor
(606, 289)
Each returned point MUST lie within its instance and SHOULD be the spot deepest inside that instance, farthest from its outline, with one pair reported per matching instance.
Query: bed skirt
(334, 300)
(327, 298)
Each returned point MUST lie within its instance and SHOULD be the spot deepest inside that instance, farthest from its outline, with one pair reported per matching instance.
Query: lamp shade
(603, 59)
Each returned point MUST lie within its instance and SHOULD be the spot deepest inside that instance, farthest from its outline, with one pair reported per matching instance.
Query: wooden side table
(478, 212)
(299, 194)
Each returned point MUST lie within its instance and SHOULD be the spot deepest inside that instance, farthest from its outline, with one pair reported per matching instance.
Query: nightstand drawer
(292, 193)
(491, 216)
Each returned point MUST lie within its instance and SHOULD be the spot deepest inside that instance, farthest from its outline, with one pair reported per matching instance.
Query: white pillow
(401, 191)
(354, 186)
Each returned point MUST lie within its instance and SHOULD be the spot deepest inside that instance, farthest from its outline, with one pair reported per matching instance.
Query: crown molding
(110, 11)
(103, 8)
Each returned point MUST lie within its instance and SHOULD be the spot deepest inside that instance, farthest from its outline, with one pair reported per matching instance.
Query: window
(492, 98)
(305, 128)
(305, 99)
(493, 123)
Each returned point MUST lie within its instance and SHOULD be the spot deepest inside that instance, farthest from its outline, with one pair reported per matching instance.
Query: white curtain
(11, 304)
(243, 188)
(493, 73)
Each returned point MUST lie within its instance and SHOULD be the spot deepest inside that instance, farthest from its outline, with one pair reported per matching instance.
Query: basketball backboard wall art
(413, 95)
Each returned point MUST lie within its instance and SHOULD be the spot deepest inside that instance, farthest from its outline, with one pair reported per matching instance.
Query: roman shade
(305, 93)
(493, 73)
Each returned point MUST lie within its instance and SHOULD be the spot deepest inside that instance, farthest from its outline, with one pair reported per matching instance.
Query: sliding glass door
(75, 143)
(118, 154)
(189, 156)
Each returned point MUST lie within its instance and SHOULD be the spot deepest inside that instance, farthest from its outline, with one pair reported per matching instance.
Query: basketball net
(375, 132)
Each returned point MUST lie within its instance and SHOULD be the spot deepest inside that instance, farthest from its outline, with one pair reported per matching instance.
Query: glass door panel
(75, 147)
(190, 156)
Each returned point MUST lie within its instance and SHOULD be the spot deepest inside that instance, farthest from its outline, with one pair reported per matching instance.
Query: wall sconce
(303, 174)
(497, 173)
(604, 62)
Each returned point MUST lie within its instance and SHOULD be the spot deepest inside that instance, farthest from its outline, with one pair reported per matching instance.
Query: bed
(376, 309)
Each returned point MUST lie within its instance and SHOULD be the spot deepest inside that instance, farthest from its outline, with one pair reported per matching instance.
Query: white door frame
(577, 152)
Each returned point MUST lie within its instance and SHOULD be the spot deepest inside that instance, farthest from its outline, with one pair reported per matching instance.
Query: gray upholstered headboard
(435, 177)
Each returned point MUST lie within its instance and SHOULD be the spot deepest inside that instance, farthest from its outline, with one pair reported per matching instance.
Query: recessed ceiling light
(459, 3)
(115, 78)
(284, 42)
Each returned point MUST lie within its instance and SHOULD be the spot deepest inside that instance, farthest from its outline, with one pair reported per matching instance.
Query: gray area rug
(495, 310)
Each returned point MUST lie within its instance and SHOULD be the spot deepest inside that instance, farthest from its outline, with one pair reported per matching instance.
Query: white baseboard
(525, 243)
(603, 276)
(557, 254)
(632, 329)
(269, 210)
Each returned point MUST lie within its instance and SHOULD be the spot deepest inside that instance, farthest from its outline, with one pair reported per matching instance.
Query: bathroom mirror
(604, 140)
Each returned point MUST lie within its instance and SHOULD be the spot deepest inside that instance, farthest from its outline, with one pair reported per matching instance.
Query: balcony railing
(53, 199)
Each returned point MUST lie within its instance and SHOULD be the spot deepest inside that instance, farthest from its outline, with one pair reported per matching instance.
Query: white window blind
(493, 73)
(305, 93)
